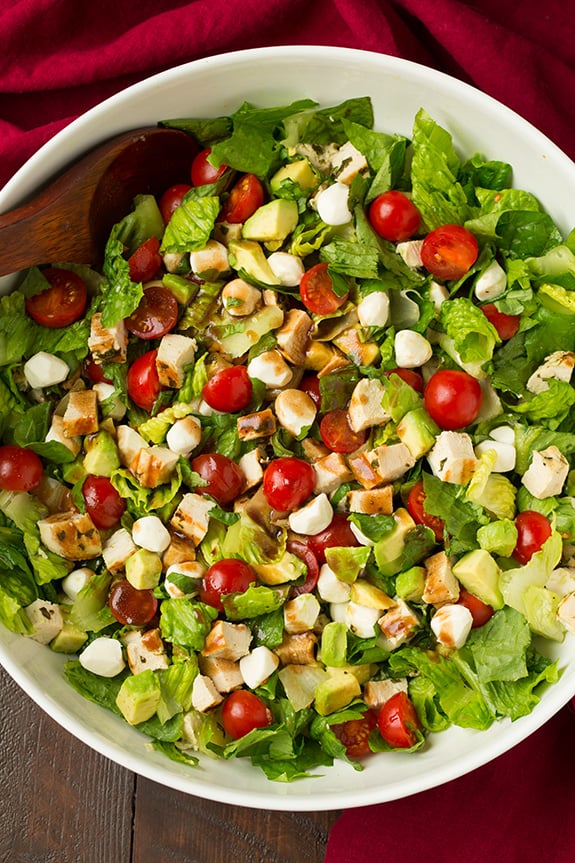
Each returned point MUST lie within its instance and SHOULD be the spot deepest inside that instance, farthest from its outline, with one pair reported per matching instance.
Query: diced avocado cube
(347, 561)
(364, 593)
(102, 457)
(299, 172)
(74, 471)
(418, 432)
(498, 537)
(249, 332)
(139, 697)
(272, 221)
(389, 550)
(334, 644)
(288, 568)
(410, 584)
(70, 638)
(248, 258)
(183, 289)
(336, 692)
(362, 673)
(479, 573)
(143, 569)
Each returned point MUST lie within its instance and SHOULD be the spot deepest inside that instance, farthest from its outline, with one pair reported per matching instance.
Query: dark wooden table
(61, 802)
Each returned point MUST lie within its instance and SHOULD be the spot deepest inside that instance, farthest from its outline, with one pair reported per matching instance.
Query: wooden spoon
(70, 219)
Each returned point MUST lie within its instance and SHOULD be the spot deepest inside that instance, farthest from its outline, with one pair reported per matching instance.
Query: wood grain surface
(61, 802)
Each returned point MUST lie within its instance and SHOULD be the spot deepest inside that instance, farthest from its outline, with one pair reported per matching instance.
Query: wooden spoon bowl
(70, 219)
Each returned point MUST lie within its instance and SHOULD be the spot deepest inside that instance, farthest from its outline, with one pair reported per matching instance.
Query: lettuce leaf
(550, 407)
(191, 224)
(474, 338)
(186, 622)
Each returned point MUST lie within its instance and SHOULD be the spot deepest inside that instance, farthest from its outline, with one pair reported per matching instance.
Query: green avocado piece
(139, 697)
(248, 258)
(410, 584)
(272, 221)
(479, 573)
(251, 330)
(389, 550)
(143, 569)
(299, 172)
(336, 692)
(418, 432)
(102, 456)
(70, 638)
(334, 644)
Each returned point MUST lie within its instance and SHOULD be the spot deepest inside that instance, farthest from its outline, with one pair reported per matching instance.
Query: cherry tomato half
(142, 381)
(156, 315)
(224, 478)
(301, 548)
(103, 503)
(146, 261)
(62, 303)
(394, 216)
(20, 468)
(288, 482)
(453, 398)
(172, 199)
(242, 712)
(408, 376)
(506, 325)
(310, 384)
(449, 252)
(354, 734)
(481, 612)
(202, 173)
(337, 533)
(533, 529)
(245, 197)
(416, 509)
(317, 293)
(337, 434)
(130, 606)
(398, 721)
(229, 390)
(223, 577)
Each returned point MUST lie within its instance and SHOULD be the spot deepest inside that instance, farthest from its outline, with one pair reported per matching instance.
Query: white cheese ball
(184, 436)
(332, 204)
(373, 310)
(45, 370)
(150, 532)
(288, 269)
(411, 349)
(103, 657)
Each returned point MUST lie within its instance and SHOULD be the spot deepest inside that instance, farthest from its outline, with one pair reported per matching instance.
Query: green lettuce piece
(499, 647)
(93, 687)
(90, 611)
(424, 696)
(498, 496)
(498, 537)
(541, 612)
(385, 156)
(17, 586)
(22, 508)
(174, 752)
(526, 233)
(121, 296)
(487, 174)
(350, 258)
(554, 265)
(186, 622)
(399, 398)
(550, 407)
(310, 235)
(191, 225)
(435, 167)
(519, 697)
(46, 565)
(473, 336)
(176, 682)
(374, 527)
(514, 582)
(141, 501)
(154, 429)
(254, 602)
(204, 131)
(246, 539)
(557, 298)
(142, 222)
(268, 629)
(531, 438)
(493, 204)
(328, 125)
(462, 517)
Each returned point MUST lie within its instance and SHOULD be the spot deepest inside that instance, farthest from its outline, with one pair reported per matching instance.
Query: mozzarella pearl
(373, 310)
(411, 349)
(103, 657)
(149, 532)
(288, 269)
(332, 204)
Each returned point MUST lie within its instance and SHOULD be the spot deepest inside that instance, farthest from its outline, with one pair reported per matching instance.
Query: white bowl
(272, 76)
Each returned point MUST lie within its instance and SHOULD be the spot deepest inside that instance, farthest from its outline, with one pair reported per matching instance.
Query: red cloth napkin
(60, 58)
(516, 809)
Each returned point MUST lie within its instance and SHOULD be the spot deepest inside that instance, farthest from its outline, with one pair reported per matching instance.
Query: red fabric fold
(516, 809)
(59, 59)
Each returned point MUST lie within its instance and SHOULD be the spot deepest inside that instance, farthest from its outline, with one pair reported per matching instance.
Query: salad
(291, 477)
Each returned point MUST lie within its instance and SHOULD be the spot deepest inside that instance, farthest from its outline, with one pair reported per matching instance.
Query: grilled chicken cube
(107, 344)
(152, 466)
(204, 694)
(72, 535)
(228, 641)
(257, 425)
(117, 549)
(452, 458)
(375, 501)
(224, 674)
(293, 336)
(365, 408)
(377, 692)
(297, 649)
(192, 517)
(130, 442)
(81, 415)
(392, 461)
(46, 618)
(330, 472)
(57, 433)
(441, 585)
(145, 650)
(175, 352)
(398, 624)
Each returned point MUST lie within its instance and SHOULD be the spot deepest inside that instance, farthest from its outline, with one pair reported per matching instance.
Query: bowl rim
(50, 158)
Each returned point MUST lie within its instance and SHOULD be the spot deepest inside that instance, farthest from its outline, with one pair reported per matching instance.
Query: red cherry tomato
(480, 611)
(226, 576)
(204, 174)
(146, 261)
(301, 548)
(103, 503)
(246, 196)
(242, 712)
(398, 722)
(156, 314)
(62, 303)
(449, 252)
(229, 390)
(354, 734)
(506, 325)
(94, 372)
(131, 607)
(416, 509)
(172, 199)
(453, 398)
(143, 382)
(394, 216)
(317, 293)
(310, 384)
(224, 478)
(533, 529)
(288, 482)
(408, 376)
(337, 434)
(20, 469)
(337, 533)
